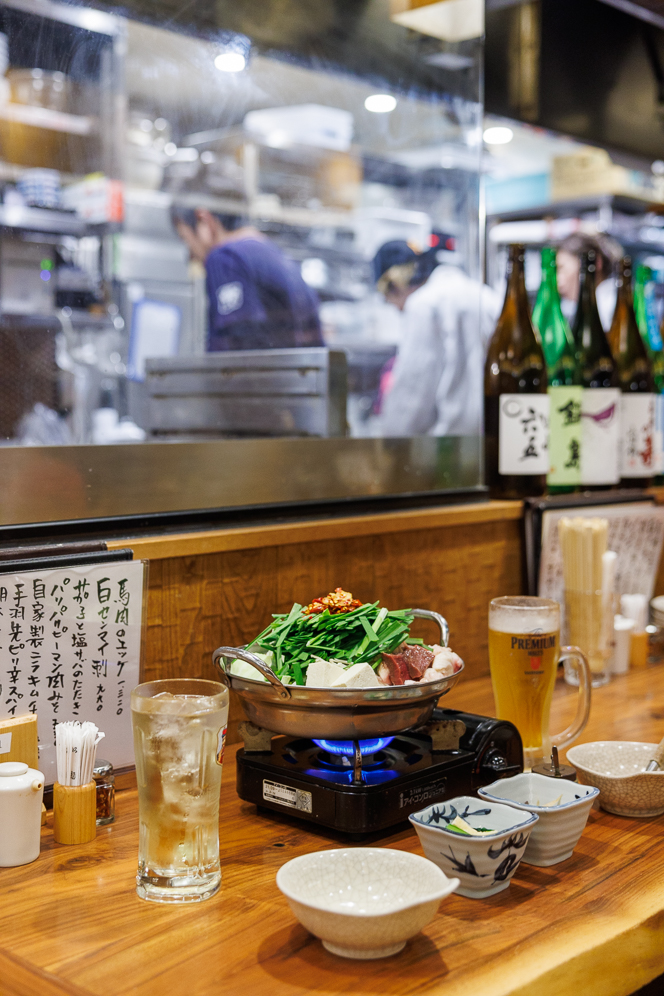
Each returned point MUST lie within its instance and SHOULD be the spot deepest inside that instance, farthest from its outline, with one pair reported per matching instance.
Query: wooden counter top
(72, 925)
(193, 543)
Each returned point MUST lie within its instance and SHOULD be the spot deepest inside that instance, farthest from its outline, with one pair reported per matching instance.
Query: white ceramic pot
(485, 865)
(617, 769)
(363, 902)
(21, 794)
(563, 808)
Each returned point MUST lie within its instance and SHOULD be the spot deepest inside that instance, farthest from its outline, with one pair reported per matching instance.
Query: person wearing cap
(436, 381)
(257, 297)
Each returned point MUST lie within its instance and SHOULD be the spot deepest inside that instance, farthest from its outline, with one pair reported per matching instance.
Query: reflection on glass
(237, 225)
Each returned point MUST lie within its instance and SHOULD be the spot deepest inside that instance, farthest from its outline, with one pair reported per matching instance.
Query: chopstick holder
(75, 792)
(74, 813)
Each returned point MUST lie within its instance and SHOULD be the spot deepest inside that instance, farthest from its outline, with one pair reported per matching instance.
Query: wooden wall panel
(196, 603)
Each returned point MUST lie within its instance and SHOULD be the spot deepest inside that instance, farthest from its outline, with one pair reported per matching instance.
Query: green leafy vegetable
(356, 637)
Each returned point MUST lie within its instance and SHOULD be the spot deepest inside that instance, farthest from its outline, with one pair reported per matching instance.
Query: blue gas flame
(347, 747)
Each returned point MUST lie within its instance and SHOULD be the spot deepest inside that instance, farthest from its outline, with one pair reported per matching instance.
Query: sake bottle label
(600, 435)
(523, 434)
(658, 436)
(637, 451)
(565, 435)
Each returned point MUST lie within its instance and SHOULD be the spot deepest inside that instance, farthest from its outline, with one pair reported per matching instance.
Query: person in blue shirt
(257, 297)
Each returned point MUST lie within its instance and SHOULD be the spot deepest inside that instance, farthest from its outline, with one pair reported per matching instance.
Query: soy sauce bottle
(516, 403)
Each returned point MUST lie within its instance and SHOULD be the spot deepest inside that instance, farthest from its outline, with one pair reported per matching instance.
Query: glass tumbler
(179, 733)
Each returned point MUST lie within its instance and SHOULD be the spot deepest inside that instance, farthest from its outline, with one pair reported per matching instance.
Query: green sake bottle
(646, 318)
(564, 378)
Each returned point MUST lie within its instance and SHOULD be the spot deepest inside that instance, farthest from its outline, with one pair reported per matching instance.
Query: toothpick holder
(74, 813)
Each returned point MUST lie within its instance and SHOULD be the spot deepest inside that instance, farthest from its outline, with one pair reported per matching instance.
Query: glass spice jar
(105, 781)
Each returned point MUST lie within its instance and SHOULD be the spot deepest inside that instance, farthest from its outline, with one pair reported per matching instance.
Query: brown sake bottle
(516, 404)
(637, 385)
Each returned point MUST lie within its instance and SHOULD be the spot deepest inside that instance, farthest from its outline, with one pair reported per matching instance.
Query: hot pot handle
(236, 653)
(436, 616)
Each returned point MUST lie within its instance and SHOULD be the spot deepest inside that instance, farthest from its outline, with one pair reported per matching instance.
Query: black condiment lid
(102, 769)
(564, 771)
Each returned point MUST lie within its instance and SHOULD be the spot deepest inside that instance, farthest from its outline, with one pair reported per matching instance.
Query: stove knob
(494, 764)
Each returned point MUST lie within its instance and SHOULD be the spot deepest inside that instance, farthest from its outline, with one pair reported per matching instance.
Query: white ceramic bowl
(484, 864)
(617, 769)
(363, 902)
(562, 807)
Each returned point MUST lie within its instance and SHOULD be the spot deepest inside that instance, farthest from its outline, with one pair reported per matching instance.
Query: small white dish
(363, 902)
(617, 769)
(562, 806)
(484, 864)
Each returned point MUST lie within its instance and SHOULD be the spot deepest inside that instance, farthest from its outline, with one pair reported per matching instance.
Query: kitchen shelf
(44, 117)
(580, 205)
(41, 220)
(267, 210)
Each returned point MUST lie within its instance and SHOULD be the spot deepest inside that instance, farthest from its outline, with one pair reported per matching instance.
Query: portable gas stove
(364, 786)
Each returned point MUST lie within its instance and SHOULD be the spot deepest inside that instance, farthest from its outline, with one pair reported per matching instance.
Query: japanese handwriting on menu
(79, 643)
(70, 642)
(36, 641)
(636, 533)
(100, 663)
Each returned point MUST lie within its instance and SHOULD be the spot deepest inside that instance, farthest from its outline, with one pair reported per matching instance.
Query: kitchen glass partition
(246, 235)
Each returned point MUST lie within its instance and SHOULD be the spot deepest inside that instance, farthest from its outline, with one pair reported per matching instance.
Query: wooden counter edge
(18, 978)
(191, 544)
(608, 958)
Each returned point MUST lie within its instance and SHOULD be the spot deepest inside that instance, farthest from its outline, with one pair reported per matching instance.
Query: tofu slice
(322, 674)
(357, 676)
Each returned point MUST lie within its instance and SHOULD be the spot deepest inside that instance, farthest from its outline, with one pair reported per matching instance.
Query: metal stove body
(356, 793)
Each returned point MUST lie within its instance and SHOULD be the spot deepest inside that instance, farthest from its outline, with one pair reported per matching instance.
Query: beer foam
(506, 619)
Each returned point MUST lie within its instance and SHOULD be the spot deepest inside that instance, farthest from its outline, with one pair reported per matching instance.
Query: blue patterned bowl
(484, 865)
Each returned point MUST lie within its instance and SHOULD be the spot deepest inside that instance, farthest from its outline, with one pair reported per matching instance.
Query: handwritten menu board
(636, 532)
(70, 645)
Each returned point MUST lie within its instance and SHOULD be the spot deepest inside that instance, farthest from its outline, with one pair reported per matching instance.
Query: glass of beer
(179, 733)
(524, 652)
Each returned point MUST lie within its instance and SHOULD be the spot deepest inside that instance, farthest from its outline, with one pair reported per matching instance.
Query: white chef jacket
(439, 370)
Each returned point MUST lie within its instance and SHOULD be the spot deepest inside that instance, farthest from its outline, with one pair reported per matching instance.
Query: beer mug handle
(567, 737)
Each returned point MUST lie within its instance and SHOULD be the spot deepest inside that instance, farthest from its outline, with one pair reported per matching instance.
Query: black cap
(395, 253)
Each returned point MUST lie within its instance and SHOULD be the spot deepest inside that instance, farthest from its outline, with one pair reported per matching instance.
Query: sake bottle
(600, 407)
(564, 380)
(516, 403)
(636, 384)
(646, 319)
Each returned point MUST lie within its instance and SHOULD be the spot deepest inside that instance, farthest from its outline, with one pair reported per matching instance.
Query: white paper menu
(70, 645)
(636, 531)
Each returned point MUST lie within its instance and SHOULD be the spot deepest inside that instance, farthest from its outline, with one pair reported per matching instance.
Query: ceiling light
(230, 62)
(380, 103)
(498, 135)
(170, 148)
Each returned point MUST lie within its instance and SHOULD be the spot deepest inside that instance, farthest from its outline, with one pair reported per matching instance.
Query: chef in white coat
(436, 382)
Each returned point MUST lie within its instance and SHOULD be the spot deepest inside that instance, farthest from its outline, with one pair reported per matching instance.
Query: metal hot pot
(333, 714)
